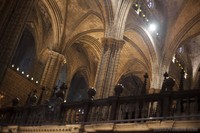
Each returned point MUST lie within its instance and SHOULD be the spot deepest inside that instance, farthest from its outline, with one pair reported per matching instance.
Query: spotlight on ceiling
(152, 27)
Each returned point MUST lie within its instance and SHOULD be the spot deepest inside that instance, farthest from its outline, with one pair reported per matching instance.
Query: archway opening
(25, 54)
(78, 88)
(186, 59)
(132, 85)
(62, 75)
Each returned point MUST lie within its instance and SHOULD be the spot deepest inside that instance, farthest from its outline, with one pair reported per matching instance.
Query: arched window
(143, 8)
(25, 53)
(150, 3)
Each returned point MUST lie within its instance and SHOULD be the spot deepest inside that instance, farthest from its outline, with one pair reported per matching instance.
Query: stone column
(11, 31)
(107, 69)
(52, 68)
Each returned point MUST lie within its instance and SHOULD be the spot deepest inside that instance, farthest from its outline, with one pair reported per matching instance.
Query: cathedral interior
(103, 57)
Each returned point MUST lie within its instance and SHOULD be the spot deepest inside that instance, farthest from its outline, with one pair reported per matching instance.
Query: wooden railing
(179, 105)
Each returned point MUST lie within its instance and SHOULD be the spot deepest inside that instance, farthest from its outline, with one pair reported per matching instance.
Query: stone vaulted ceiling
(75, 28)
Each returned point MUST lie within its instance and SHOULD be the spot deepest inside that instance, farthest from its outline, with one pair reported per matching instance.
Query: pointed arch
(127, 68)
(116, 28)
(132, 84)
(56, 19)
(78, 85)
(168, 54)
(72, 41)
(90, 12)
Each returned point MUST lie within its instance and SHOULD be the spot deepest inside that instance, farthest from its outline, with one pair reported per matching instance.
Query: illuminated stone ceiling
(75, 28)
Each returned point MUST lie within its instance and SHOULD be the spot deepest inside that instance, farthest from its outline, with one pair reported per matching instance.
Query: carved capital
(57, 55)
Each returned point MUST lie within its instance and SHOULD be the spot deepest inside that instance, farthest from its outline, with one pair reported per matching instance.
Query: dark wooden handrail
(166, 105)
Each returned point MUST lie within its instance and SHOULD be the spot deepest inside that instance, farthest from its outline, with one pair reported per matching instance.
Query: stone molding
(55, 54)
(158, 126)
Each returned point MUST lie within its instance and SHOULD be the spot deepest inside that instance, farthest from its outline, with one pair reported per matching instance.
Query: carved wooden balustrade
(166, 105)
(180, 105)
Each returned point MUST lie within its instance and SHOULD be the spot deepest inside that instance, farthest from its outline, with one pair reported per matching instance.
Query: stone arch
(115, 28)
(107, 11)
(25, 54)
(136, 67)
(192, 32)
(90, 22)
(56, 19)
(62, 76)
(89, 47)
(175, 71)
(95, 44)
(78, 86)
(91, 12)
(39, 64)
(76, 37)
(36, 36)
(153, 59)
(147, 39)
(190, 60)
(138, 49)
(132, 84)
(180, 37)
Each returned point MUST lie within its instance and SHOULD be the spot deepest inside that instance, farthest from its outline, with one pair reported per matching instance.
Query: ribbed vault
(75, 28)
(85, 52)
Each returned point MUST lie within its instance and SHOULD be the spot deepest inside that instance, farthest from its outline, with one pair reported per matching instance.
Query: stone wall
(42, 129)
(147, 127)
(16, 85)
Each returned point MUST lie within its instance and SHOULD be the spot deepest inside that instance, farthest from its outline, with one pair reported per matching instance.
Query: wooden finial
(145, 83)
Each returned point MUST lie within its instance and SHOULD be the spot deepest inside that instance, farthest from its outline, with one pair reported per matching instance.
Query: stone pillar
(107, 69)
(52, 69)
(11, 32)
